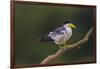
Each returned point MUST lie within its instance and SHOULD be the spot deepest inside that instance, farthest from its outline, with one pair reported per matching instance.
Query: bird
(61, 34)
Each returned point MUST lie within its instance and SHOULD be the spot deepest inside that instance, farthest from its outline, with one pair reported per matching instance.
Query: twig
(51, 58)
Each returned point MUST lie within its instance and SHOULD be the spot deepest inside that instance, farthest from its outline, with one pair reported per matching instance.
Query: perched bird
(60, 35)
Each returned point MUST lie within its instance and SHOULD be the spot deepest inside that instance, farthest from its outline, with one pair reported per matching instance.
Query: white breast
(65, 37)
(68, 33)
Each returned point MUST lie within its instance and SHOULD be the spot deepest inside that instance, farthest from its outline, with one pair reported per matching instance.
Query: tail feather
(45, 38)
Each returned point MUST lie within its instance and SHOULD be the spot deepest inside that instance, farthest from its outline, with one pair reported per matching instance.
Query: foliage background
(32, 21)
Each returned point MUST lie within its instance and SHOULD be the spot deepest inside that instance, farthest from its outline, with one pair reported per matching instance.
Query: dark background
(32, 21)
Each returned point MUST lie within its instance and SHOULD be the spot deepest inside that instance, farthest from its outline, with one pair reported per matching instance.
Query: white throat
(68, 29)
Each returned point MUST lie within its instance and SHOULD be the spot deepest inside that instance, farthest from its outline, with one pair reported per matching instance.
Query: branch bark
(51, 58)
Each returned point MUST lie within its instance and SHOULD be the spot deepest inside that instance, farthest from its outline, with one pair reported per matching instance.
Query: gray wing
(58, 31)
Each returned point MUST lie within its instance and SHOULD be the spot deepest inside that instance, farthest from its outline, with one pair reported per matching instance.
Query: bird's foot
(62, 46)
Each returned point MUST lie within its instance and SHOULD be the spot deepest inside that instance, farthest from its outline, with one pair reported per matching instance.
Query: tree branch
(51, 58)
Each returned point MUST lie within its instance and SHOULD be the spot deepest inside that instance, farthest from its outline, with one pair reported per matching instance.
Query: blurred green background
(32, 21)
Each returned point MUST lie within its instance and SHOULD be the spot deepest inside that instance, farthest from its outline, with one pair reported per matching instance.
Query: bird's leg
(64, 44)
(60, 46)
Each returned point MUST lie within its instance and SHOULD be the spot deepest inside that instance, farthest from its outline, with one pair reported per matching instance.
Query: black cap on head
(68, 21)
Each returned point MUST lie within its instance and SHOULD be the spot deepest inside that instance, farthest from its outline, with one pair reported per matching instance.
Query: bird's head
(69, 24)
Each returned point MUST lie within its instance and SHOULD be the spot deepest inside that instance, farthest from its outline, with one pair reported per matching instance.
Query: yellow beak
(72, 26)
